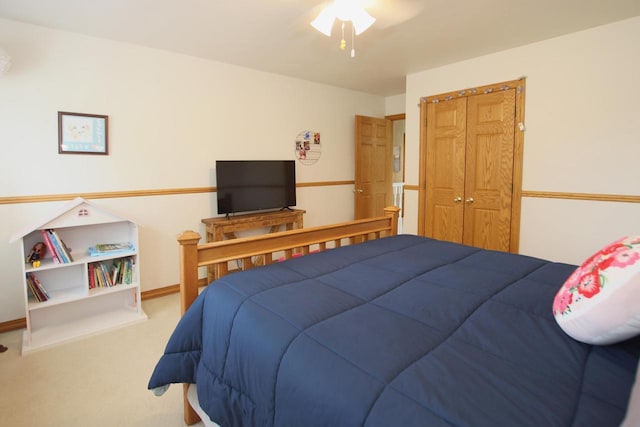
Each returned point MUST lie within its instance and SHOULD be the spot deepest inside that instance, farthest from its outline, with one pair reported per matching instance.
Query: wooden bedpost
(392, 212)
(188, 268)
(188, 293)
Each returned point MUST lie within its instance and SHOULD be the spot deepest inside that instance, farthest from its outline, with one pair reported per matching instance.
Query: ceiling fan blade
(394, 12)
(324, 21)
(362, 20)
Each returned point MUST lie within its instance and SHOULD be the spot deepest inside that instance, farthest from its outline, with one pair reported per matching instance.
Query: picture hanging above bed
(308, 147)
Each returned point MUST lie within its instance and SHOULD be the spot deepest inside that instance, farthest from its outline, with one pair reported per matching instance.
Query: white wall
(581, 115)
(170, 117)
(395, 104)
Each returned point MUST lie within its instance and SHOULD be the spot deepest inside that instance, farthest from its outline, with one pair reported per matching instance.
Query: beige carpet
(97, 381)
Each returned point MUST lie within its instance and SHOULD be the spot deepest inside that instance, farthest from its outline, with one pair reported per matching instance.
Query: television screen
(250, 185)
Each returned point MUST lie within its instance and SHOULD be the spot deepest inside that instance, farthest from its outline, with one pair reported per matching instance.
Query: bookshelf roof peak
(76, 212)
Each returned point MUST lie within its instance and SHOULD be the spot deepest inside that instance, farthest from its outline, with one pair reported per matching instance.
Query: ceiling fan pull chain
(353, 41)
(343, 44)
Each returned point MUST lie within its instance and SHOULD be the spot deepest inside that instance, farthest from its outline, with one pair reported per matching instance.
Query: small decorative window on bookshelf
(105, 274)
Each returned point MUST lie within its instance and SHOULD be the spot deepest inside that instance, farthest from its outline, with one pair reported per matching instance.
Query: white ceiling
(275, 35)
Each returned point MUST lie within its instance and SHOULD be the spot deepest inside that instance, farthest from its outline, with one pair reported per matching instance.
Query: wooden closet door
(471, 155)
(445, 169)
(489, 170)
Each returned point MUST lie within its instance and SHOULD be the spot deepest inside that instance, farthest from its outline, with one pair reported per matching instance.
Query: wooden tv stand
(222, 228)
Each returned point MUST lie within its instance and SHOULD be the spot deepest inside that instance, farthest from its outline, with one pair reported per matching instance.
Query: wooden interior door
(446, 169)
(469, 169)
(489, 170)
(373, 166)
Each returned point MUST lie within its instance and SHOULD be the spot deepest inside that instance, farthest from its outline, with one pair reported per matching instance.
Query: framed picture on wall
(80, 133)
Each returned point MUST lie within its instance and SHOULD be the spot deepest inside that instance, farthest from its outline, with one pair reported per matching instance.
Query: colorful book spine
(67, 250)
(116, 270)
(103, 274)
(55, 239)
(56, 246)
(92, 277)
(107, 274)
(49, 245)
(99, 280)
(98, 276)
(39, 285)
(32, 289)
(36, 288)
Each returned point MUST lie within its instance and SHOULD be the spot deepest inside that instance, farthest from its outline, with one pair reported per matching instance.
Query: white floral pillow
(600, 302)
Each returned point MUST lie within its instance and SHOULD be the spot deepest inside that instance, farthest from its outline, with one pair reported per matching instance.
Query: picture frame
(80, 133)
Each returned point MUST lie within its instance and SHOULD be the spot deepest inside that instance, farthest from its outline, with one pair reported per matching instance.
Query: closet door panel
(489, 170)
(445, 167)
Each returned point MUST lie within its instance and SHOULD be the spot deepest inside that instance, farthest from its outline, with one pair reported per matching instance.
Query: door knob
(358, 190)
(470, 200)
(457, 199)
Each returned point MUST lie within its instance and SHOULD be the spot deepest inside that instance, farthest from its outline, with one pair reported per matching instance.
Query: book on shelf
(116, 271)
(33, 291)
(67, 250)
(105, 274)
(49, 245)
(92, 277)
(111, 248)
(61, 249)
(36, 288)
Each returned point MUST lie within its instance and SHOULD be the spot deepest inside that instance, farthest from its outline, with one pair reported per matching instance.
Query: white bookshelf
(73, 310)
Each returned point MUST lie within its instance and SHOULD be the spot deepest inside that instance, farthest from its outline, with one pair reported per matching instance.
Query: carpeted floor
(97, 381)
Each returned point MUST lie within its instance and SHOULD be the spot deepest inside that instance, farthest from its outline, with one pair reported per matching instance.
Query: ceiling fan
(385, 12)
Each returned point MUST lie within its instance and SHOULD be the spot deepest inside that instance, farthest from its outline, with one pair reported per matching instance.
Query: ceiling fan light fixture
(324, 21)
(361, 20)
(344, 10)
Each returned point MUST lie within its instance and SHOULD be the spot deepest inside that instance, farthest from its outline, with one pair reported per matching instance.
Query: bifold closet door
(469, 169)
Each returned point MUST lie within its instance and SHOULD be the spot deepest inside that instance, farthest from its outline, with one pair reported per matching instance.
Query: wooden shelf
(50, 336)
(66, 296)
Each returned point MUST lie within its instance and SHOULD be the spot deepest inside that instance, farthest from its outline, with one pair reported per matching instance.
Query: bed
(389, 330)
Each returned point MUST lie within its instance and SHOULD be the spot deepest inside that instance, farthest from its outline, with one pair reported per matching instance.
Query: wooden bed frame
(265, 249)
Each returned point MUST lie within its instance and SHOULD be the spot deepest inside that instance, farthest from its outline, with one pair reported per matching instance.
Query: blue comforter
(401, 331)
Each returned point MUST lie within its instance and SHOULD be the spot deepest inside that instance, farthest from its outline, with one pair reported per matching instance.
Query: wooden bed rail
(265, 246)
(265, 249)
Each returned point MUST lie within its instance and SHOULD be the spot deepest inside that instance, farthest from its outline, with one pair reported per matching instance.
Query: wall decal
(308, 147)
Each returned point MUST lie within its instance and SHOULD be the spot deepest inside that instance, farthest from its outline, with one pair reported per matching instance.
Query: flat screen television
(252, 185)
